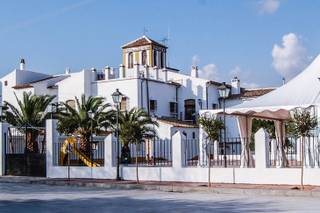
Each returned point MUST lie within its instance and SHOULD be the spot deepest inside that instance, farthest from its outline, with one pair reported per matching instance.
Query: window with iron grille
(173, 107)
(153, 105)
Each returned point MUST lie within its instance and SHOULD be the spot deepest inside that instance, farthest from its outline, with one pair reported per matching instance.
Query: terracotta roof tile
(143, 41)
(177, 123)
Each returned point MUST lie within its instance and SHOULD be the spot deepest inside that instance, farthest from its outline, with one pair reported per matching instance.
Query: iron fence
(153, 152)
(76, 158)
(17, 140)
(290, 155)
(217, 154)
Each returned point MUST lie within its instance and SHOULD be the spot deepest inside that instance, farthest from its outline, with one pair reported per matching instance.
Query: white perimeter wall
(258, 175)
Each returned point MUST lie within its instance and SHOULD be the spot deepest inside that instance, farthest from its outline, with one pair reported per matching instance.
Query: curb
(165, 188)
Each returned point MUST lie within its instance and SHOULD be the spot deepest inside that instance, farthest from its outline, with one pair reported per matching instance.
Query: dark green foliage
(211, 126)
(301, 123)
(77, 120)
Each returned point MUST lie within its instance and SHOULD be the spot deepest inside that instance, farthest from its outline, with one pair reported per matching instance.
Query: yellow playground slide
(63, 152)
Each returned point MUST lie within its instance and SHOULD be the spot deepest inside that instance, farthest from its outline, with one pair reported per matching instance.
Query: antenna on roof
(145, 30)
(165, 41)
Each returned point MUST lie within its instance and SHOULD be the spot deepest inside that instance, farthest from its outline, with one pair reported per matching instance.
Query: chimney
(94, 73)
(283, 81)
(22, 64)
(107, 72)
(194, 72)
(122, 71)
(235, 86)
(67, 71)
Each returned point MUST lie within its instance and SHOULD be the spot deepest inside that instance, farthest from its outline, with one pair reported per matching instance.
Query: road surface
(41, 198)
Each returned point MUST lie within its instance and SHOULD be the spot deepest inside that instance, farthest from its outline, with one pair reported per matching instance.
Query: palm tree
(136, 125)
(301, 123)
(32, 112)
(78, 120)
(212, 127)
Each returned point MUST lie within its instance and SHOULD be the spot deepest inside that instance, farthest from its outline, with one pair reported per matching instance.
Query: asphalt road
(41, 198)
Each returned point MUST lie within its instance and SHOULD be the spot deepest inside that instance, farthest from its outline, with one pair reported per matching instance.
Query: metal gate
(25, 151)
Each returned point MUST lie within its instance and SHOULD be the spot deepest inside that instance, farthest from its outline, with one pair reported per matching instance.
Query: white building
(145, 80)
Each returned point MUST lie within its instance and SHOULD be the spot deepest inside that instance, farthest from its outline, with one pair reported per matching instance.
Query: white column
(51, 138)
(203, 157)
(177, 150)
(165, 74)
(3, 138)
(261, 139)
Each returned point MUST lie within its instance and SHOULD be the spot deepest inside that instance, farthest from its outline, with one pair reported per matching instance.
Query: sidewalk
(181, 187)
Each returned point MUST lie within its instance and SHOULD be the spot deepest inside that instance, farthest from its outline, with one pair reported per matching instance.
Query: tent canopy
(301, 92)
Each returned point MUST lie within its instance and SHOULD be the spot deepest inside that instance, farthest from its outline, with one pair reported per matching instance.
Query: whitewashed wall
(258, 175)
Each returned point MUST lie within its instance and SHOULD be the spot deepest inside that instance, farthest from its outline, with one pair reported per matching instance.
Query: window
(123, 104)
(144, 57)
(71, 103)
(153, 105)
(130, 60)
(6, 83)
(193, 135)
(214, 106)
(173, 107)
(155, 58)
(189, 109)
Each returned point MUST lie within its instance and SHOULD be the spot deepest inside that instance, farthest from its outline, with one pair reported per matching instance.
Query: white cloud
(290, 57)
(209, 71)
(236, 72)
(268, 6)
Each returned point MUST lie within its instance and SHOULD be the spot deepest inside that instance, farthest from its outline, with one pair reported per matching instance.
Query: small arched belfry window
(130, 60)
(144, 57)
(155, 58)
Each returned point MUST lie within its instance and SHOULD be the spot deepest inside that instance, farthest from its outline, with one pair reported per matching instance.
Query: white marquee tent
(301, 92)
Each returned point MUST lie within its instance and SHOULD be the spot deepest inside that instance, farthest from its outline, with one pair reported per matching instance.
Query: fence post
(177, 150)
(203, 157)
(261, 139)
(51, 138)
(3, 137)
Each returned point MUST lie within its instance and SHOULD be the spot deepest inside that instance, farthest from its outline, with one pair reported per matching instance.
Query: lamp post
(117, 97)
(91, 116)
(224, 93)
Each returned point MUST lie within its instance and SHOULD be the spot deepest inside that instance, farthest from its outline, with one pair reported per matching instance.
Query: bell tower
(144, 51)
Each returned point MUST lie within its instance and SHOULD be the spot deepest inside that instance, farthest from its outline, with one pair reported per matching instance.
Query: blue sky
(260, 41)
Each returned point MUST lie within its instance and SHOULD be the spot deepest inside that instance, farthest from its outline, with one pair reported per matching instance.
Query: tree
(31, 112)
(301, 124)
(136, 125)
(212, 127)
(78, 121)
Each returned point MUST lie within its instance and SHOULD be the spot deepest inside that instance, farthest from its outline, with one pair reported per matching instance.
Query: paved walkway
(21, 197)
(240, 189)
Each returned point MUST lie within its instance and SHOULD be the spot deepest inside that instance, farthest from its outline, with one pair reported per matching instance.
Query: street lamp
(224, 93)
(54, 109)
(117, 97)
(2, 108)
